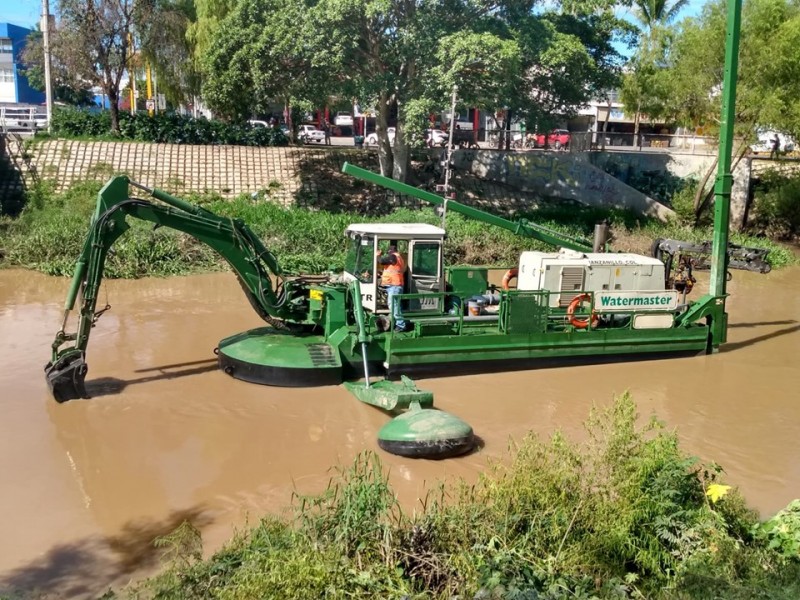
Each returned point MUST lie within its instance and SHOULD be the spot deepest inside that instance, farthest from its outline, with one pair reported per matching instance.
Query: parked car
(765, 141)
(309, 133)
(372, 138)
(258, 123)
(343, 119)
(556, 139)
(435, 137)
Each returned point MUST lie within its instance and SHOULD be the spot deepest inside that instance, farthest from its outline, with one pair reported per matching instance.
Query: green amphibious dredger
(571, 305)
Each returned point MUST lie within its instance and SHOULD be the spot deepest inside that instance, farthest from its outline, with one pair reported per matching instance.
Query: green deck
(524, 332)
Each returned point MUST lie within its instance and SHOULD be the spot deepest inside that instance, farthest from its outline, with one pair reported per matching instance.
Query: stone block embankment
(290, 174)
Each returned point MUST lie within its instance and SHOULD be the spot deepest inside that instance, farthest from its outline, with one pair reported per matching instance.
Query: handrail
(21, 118)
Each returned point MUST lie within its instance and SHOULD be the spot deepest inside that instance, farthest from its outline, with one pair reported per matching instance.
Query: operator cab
(419, 244)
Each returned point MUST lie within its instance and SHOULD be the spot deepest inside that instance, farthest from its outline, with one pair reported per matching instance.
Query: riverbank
(49, 234)
(626, 514)
(167, 437)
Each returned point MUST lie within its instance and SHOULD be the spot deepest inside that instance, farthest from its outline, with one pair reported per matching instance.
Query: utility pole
(449, 155)
(150, 105)
(48, 84)
(131, 74)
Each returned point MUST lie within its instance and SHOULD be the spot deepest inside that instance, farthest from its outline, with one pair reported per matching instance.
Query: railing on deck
(653, 142)
(533, 315)
(22, 118)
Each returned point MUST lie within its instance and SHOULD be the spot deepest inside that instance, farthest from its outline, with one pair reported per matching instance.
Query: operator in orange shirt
(392, 281)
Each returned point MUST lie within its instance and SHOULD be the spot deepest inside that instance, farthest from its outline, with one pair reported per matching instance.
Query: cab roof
(399, 230)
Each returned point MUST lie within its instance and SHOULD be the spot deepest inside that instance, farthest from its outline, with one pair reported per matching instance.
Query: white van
(765, 140)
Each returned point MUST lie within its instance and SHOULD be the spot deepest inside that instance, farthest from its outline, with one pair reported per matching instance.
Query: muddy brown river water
(86, 486)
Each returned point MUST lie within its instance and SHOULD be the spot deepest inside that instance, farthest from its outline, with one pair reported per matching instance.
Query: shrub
(626, 514)
(76, 122)
(782, 532)
(682, 202)
(168, 128)
(49, 234)
(777, 205)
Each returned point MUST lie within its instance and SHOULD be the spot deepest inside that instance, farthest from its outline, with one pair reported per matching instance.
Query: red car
(556, 139)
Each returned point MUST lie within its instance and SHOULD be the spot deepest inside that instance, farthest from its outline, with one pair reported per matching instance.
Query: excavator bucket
(66, 377)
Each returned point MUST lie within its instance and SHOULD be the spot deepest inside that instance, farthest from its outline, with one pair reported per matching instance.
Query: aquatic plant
(49, 234)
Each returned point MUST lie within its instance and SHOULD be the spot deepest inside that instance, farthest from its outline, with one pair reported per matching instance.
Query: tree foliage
(654, 13)
(683, 75)
(164, 43)
(67, 86)
(404, 56)
(94, 43)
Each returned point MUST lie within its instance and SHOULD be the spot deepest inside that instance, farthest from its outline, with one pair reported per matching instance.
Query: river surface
(87, 485)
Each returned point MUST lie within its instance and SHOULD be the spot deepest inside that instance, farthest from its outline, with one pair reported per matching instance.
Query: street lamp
(48, 84)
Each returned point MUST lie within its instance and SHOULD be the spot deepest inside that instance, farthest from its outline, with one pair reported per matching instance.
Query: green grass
(49, 234)
(626, 514)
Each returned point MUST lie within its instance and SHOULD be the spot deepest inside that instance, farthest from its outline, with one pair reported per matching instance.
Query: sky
(22, 12)
(26, 12)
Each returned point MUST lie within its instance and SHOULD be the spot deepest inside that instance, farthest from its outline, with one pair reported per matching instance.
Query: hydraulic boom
(522, 227)
(281, 302)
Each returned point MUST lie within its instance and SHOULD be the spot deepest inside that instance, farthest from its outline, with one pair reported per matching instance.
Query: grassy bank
(49, 234)
(626, 514)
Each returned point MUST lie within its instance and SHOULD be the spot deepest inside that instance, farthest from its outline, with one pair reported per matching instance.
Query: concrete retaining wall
(309, 174)
(624, 165)
(560, 175)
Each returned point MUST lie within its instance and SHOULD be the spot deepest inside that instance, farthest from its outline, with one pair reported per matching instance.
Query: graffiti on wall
(604, 186)
(543, 170)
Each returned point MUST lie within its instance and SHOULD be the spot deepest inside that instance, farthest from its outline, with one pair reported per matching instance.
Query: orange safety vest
(393, 274)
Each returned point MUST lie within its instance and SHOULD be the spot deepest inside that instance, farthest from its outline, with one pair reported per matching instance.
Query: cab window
(426, 259)
(402, 246)
(360, 258)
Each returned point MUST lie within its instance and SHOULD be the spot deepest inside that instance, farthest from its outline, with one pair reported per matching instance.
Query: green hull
(543, 347)
(272, 357)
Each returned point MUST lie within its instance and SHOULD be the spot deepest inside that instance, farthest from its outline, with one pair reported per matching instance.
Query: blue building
(13, 85)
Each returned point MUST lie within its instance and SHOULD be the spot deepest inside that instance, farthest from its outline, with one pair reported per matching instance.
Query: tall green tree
(94, 43)
(263, 51)
(768, 88)
(200, 33)
(404, 56)
(642, 83)
(164, 43)
(654, 13)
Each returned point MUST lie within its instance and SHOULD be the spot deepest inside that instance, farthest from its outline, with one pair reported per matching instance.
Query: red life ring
(581, 322)
(510, 274)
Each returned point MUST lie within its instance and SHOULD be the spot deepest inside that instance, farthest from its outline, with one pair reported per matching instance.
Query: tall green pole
(724, 181)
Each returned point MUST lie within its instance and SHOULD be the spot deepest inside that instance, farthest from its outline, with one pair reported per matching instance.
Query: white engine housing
(569, 272)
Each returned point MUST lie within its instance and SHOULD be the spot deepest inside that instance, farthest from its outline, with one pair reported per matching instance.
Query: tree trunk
(508, 129)
(701, 188)
(637, 117)
(113, 101)
(706, 199)
(400, 155)
(384, 147)
(500, 128)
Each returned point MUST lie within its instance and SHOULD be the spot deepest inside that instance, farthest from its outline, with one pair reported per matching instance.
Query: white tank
(569, 272)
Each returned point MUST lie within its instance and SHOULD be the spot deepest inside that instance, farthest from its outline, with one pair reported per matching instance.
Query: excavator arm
(521, 227)
(255, 267)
